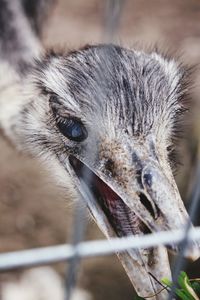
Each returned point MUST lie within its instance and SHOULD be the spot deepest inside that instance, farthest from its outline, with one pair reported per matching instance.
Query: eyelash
(60, 119)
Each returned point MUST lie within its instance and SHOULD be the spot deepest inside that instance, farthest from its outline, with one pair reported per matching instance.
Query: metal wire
(80, 223)
(113, 13)
(46, 255)
(180, 261)
(113, 10)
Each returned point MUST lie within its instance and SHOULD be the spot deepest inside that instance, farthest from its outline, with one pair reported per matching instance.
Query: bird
(39, 283)
(104, 119)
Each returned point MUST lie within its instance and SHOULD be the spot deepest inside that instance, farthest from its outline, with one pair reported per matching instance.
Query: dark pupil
(73, 129)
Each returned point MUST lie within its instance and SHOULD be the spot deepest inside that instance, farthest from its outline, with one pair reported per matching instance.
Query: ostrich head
(108, 115)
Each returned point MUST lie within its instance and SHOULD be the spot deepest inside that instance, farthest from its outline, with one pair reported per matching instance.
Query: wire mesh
(73, 253)
(80, 223)
(46, 255)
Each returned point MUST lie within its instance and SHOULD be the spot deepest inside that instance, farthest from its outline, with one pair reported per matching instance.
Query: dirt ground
(33, 210)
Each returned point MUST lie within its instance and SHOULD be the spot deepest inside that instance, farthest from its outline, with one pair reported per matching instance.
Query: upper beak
(162, 207)
(147, 186)
(142, 196)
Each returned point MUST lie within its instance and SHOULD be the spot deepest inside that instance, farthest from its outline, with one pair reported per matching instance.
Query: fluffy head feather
(124, 91)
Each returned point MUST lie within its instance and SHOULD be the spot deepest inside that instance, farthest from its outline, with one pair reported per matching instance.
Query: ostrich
(103, 118)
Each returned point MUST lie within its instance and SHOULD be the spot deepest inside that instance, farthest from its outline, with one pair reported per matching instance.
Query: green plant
(187, 289)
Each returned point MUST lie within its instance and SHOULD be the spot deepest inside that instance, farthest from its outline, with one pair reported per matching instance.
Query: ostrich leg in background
(125, 106)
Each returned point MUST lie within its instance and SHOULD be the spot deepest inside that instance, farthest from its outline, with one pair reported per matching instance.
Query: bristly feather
(125, 90)
(144, 92)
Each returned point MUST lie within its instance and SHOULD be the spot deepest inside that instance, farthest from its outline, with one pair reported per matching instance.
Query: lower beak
(145, 277)
(144, 267)
(151, 204)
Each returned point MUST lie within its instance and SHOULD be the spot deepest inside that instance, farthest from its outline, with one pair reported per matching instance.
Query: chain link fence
(78, 249)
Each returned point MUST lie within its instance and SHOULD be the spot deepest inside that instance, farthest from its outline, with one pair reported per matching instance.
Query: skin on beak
(133, 195)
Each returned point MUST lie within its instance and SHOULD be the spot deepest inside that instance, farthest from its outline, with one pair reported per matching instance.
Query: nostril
(152, 209)
(110, 167)
(109, 164)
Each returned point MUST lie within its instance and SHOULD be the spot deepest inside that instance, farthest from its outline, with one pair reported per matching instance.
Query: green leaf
(182, 295)
(167, 282)
(184, 282)
(186, 290)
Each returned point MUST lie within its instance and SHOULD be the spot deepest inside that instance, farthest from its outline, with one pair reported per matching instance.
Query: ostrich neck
(19, 46)
(18, 43)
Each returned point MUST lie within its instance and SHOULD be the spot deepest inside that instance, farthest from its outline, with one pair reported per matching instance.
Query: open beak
(125, 204)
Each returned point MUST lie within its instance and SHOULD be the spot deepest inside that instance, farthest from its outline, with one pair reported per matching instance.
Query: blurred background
(34, 212)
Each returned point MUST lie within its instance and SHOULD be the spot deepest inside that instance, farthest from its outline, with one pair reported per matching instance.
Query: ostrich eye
(73, 129)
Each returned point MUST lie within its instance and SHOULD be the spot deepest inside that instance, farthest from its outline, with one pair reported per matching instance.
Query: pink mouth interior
(121, 218)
